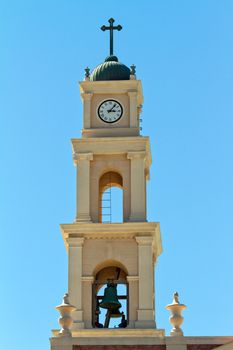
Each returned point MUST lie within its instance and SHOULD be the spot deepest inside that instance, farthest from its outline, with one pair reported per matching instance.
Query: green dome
(111, 69)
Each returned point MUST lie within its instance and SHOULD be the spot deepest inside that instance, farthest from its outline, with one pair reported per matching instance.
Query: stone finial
(87, 73)
(65, 320)
(132, 72)
(176, 319)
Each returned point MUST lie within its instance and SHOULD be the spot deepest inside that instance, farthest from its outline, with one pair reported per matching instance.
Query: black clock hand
(110, 110)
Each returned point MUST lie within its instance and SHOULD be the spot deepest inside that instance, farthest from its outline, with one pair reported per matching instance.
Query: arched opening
(111, 197)
(110, 298)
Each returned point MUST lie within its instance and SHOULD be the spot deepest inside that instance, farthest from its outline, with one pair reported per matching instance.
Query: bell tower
(111, 265)
(110, 304)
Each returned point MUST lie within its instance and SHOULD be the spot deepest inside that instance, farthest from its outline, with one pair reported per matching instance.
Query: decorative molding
(112, 87)
(87, 278)
(136, 155)
(132, 93)
(87, 95)
(75, 241)
(144, 240)
(132, 278)
(124, 231)
(82, 156)
(112, 145)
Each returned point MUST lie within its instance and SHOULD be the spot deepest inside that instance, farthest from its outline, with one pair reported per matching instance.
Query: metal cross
(111, 28)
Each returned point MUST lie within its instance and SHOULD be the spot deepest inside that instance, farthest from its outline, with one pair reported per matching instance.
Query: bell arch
(108, 180)
(106, 263)
(110, 295)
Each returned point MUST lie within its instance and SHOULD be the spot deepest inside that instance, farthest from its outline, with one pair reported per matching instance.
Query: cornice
(112, 87)
(158, 335)
(113, 146)
(115, 140)
(147, 231)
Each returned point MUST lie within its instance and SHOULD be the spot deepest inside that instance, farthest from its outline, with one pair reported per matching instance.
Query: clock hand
(110, 110)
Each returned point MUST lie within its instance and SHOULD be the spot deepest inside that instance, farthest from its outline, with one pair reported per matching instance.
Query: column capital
(87, 95)
(144, 240)
(132, 93)
(88, 279)
(136, 155)
(132, 278)
(75, 241)
(78, 157)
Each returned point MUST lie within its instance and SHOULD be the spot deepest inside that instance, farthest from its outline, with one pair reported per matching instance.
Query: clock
(110, 111)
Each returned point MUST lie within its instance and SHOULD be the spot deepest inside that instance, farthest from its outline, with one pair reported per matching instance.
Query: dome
(111, 69)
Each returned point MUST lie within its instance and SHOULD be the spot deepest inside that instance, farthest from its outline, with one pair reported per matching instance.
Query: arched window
(110, 198)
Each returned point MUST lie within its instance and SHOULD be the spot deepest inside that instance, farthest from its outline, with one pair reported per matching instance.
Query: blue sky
(183, 53)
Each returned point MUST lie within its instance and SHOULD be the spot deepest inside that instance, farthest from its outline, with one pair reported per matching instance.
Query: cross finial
(111, 28)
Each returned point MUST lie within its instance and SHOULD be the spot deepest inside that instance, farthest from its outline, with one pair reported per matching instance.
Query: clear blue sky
(183, 51)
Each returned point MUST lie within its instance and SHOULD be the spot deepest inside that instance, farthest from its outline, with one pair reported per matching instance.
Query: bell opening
(110, 307)
(111, 195)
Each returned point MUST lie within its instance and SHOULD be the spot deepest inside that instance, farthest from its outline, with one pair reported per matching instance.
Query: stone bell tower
(112, 265)
(111, 152)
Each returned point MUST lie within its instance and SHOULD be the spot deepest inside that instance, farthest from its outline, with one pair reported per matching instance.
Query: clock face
(110, 111)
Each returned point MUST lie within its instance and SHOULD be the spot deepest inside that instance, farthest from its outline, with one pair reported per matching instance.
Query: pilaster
(82, 161)
(133, 299)
(75, 247)
(87, 96)
(146, 317)
(138, 186)
(87, 282)
(133, 108)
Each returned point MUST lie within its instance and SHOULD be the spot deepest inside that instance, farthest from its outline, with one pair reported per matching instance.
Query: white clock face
(110, 111)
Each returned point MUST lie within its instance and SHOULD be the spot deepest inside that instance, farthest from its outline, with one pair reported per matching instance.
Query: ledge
(126, 230)
(136, 337)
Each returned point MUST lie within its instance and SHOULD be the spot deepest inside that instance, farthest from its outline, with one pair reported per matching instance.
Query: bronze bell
(110, 300)
(115, 313)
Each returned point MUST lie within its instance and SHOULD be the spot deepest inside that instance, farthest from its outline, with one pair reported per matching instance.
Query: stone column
(82, 161)
(86, 96)
(87, 301)
(133, 299)
(146, 316)
(138, 186)
(75, 247)
(133, 109)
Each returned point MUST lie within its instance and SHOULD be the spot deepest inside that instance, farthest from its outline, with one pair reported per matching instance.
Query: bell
(110, 300)
(115, 313)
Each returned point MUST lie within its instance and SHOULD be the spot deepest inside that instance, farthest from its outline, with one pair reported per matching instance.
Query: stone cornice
(128, 336)
(203, 339)
(113, 146)
(112, 87)
(104, 333)
(121, 231)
